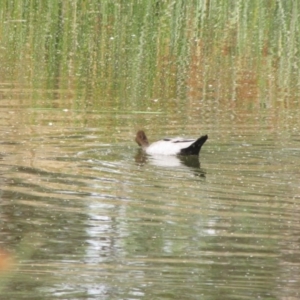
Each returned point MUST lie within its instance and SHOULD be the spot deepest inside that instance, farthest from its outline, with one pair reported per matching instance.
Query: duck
(170, 146)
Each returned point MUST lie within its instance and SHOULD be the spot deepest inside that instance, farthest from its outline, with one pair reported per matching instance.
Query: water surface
(86, 215)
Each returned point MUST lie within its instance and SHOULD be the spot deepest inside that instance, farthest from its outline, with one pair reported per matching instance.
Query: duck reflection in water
(187, 161)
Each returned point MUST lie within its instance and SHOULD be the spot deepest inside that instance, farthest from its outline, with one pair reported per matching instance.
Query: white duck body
(170, 146)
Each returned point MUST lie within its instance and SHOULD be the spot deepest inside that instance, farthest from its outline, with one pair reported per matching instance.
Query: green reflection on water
(123, 54)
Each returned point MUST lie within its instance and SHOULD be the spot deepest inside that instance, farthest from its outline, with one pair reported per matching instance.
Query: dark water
(85, 214)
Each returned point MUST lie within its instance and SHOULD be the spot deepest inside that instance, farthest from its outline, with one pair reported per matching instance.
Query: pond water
(85, 214)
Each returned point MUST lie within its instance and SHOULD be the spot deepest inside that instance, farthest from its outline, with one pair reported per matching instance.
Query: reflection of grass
(140, 50)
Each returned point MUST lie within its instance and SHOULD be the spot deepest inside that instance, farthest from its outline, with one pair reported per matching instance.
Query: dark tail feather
(195, 148)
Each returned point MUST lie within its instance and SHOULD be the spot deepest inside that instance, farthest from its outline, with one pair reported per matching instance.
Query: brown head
(141, 139)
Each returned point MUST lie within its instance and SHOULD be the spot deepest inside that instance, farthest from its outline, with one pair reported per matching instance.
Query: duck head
(141, 139)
